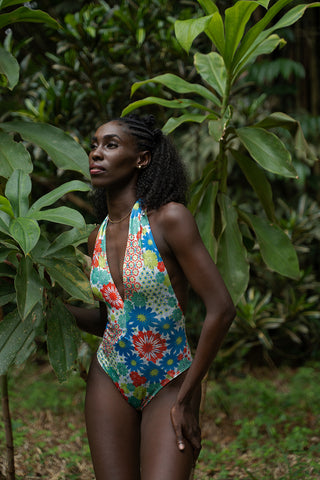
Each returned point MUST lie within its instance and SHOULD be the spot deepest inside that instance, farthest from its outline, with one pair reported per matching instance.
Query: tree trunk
(8, 428)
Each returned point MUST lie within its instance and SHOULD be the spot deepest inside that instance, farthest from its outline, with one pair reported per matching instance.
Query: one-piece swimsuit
(144, 345)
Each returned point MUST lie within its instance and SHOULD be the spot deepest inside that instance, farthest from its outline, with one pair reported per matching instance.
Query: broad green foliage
(254, 148)
(32, 267)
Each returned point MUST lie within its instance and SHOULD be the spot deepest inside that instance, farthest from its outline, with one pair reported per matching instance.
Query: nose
(96, 154)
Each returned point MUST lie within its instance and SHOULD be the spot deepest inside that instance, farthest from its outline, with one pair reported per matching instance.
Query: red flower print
(149, 345)
(111, 295)
(161, 267)
(180, 357)
(137, 379)
(95, 261)
(164, 382)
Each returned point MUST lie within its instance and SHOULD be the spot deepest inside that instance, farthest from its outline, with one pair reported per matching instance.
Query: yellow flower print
(102, 262)
(150, 259)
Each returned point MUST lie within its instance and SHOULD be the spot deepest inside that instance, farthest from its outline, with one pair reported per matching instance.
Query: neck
(120, 203)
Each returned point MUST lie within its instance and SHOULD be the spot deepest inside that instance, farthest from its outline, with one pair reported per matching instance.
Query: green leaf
(57, 193)
(13, 155)
(24, 14)
(236, 19)
(206, 218)
(259, 48)
(267, 150)
(279, 119)
(4, 221)
(212, 69)
(63, 339)
(18, 189)
(178, 85)
(64, 215)
(187, 30)
(6, 207)
(70, 277)
(16, 336)
(64, 151)
(73, 237)
(208, 6)
(256, 30)
(258, 181)
(9, 3)
(175, 122)
(215, 31)
(9, 67)
(26, 233)
(232, 256)
(276, 249)
(28, 286)
(182, 103)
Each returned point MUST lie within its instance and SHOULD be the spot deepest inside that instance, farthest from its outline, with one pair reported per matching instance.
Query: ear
(143, 159)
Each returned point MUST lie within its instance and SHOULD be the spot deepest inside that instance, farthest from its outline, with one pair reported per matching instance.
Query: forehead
(115, 128)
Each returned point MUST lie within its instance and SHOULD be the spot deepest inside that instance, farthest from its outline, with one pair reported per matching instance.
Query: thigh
(160, 457)
(113, 429)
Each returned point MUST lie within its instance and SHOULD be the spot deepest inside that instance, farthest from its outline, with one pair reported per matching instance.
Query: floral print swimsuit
(144, 344)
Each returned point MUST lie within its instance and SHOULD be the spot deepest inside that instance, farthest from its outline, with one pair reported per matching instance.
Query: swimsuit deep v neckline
(124, 257)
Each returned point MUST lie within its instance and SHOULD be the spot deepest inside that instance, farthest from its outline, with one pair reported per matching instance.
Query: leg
(113, 429)
(160, 457)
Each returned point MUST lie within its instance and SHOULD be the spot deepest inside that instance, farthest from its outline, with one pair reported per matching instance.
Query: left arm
(184, 240)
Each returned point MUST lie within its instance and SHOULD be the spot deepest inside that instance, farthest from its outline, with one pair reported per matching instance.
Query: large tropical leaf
(215, 31)
(258, 181)
(63, 215)
(208, 6)
(73, 237)
(57, 193)
(62, 339)
(236, 19)
(29, 287)
(275, 246)
(9, 67)
(212, 69)
(187, 30)
(6, 207)
(16, 338)
(64, 151)
(176, 104)
(4, 220)
(232, 256)
(175, 122)
(69, 277)
(13, 155)
(24, 14)
(206, 218)
(178, 85)
(26, 233)
(18, 189)
(268, 150)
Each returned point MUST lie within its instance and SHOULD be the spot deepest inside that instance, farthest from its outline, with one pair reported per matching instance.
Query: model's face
(114, 156)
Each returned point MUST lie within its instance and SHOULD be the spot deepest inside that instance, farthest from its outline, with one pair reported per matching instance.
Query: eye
(111, 145)
(93, 146)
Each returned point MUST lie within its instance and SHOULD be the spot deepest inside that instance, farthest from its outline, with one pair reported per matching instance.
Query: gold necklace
(121, 219)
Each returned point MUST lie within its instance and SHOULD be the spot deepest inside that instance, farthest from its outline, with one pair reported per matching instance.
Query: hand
(186, 427)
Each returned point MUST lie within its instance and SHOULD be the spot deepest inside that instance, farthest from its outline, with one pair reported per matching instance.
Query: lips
(96, 170)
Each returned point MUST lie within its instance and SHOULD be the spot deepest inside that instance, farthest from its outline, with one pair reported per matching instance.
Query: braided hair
(163, 180)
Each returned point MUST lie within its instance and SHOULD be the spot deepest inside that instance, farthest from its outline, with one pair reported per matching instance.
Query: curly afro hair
(164, 180)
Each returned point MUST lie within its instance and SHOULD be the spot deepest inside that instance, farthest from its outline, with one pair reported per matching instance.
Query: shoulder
(177, 223)
(92, 240)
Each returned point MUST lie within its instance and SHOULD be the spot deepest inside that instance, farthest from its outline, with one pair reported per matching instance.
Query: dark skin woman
(139, 427)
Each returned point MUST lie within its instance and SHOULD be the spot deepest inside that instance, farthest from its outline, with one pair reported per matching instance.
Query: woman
(143, 389)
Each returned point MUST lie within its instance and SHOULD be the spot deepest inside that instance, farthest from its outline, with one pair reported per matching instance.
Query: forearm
(92, 321)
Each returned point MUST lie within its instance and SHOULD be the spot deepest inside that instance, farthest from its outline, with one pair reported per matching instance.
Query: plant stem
(7, 427)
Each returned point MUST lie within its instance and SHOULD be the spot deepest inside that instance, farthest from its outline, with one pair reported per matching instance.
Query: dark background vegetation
(79, 76)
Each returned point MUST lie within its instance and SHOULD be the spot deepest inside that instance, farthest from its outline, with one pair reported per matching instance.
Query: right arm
(93, 320)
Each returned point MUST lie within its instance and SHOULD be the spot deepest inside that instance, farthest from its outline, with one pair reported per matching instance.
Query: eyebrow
(106, 137)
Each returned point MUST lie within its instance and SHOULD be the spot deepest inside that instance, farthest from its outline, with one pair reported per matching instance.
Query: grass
(262, 425)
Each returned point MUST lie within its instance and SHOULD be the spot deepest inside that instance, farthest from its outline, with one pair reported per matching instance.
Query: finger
(178, 432)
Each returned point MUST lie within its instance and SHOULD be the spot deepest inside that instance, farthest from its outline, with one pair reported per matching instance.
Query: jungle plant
(230, 230)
